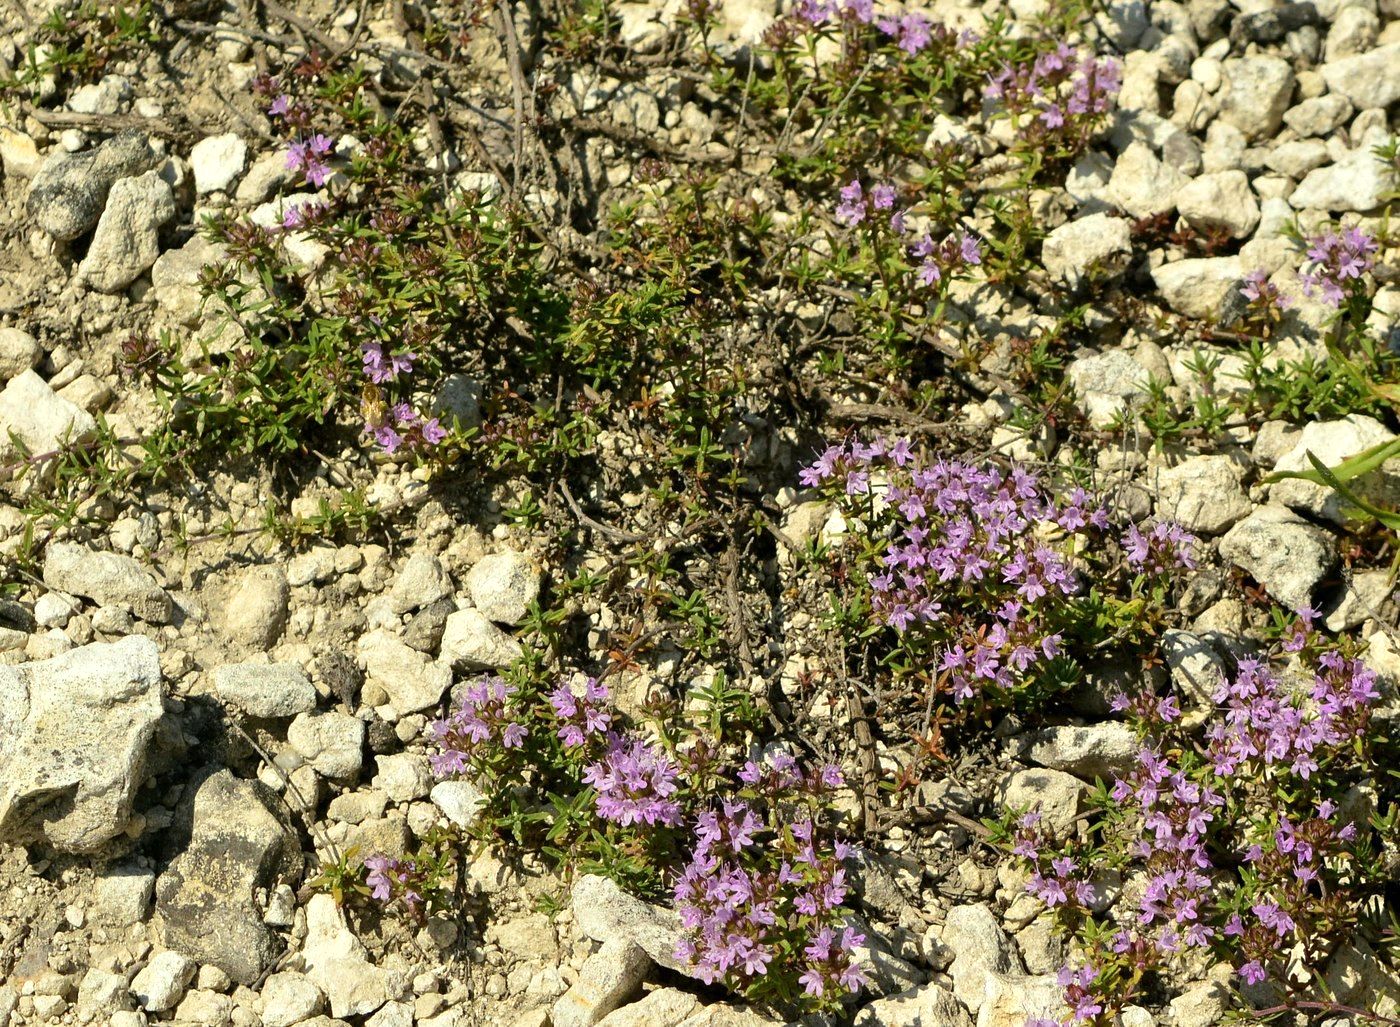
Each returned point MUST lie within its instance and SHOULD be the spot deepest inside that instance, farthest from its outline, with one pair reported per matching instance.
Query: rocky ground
(196, 713)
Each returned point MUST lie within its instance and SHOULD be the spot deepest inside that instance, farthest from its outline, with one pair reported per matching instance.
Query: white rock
(102, 993)
(162, 982)
(39, 418)
(217, 161)
(1097, 246)
(107, 579)
(919, 1007)
(1359, 182)
(256, 612)
(656, 1008)
(605, 912)
(605, 981)
(1197, 287)
(1056, 794)
(503, 585)
(127, 240)
(102, 97)
(268, 690)
(1367, 80)
(1220, 200)
(421, 582)
(1143, 185)
(471, 642)
(122, 896)
(1256, 92)
(1319, 116)
(333, 743)
(1093, 751)
(1353, 31)
(1012, 1000)
(1295, 159)
(403, 777)
(980, 947)
(337, 962)
(19, 352)
(206, 1008)
(74, 732)
(1283, 552)
(289, 998)
(412, 680)
(1106, 384)
(461, 802)
(1203, 494)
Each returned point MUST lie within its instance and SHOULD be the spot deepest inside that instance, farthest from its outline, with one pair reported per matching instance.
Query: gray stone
(1054, 793)
(333, 743)
(412, 681)
(1359, 182)
(1365, 596)
(1102, 751)
(74, 734)
(925, 1006)
(67, 194)
(403, 777)
(109, 579)
(1196, 668)
(217, 161)
(461, 802)
(420, 582)
(41, 420)
(1319, 116)
(230, 842)
(338, 963)
(664, 1007)
(127, 240)
(268, 690)
(1203, 494)
(980, 947)
(1283, 552)
(1097, 246)
(1256, 92)
(1013, 1000)
(1197, 287)
(605, 913)
(1367, 80)
(471, 642)
(503, 585)
(1106, 384)
(1141, 184)
(161, 983)
(289, 998)
(606, 980)
(122, 896)
(1295, 159)
(102, 993)
(256, 613)
(1222, 199)
(19, 352)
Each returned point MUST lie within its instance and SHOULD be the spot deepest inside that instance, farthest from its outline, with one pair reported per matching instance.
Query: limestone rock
(74, 733)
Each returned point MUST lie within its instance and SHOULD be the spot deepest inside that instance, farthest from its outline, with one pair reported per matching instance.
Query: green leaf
(1352, 467)
(1390, 518)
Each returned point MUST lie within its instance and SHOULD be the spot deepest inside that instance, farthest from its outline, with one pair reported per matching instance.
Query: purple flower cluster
(636, 782)
(1338, 261)
(934, 260)
(1166, 546)
(1236, 849)
(1061, 91)
(580, 716)
(764, 886)
(404, 427)
(482, 724)
(966, 558)
(310, 158)
(391, 880)
(911, 31)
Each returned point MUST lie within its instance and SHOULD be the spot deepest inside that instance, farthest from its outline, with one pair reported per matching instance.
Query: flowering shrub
(765, 883)
(1259, 843)
(1057, 101)
(756, 871)
(1337, 260)
(979, 571)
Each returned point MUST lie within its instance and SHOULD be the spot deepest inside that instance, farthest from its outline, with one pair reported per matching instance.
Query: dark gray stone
(70, 191)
